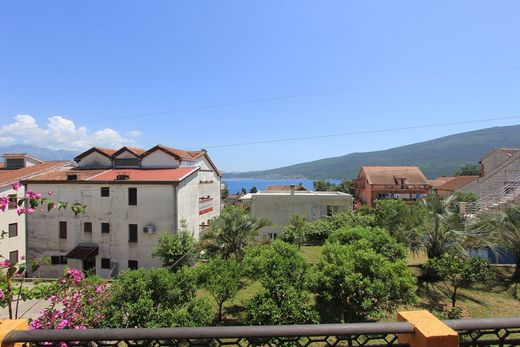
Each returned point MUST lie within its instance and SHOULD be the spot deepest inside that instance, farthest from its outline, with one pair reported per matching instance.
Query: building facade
(279, 206)
(499, 168)
(132, 196)
(390, 182)
(14, 168)
(446, 185)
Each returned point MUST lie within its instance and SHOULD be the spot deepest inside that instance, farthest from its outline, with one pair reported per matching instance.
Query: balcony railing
(472, 332)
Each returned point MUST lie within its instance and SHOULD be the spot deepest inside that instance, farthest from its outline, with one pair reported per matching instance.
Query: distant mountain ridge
(438, 157)
(39, 152)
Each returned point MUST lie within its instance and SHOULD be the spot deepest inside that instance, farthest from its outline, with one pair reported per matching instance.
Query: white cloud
(134, 133)
(61, 133)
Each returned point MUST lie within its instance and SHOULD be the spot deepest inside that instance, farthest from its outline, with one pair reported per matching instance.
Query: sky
(208, 74)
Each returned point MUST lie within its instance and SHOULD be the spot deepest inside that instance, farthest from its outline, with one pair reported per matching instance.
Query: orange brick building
(390, 182)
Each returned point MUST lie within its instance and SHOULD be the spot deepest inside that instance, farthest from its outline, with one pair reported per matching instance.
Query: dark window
(87, 227)
(133, 264)
(14, 163)
(132, 232)
(105, 228)
(105, 263)
(105, 191)
(125, 162)
(132, 196)
(63, 230)
(13, 229)
(58, 259)
(13, 257)
(13, 201)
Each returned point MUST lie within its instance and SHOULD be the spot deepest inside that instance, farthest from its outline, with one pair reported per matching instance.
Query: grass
(491, 299)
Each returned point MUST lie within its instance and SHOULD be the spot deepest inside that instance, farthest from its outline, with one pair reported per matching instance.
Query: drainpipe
(176, 206)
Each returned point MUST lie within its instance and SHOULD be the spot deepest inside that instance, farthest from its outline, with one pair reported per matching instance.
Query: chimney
(292, 189)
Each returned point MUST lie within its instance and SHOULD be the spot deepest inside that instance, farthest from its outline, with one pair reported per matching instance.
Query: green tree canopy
(281, 269)
(222, 279)
(365, 284)
(177, 249)
(379, 240)
(232, 231)
(296, 231)
(468, 170)
(153, 298)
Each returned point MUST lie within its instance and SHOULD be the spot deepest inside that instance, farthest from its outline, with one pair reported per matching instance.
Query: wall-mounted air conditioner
(149, 228)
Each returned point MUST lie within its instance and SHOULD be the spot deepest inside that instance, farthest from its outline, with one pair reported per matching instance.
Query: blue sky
(74, 73)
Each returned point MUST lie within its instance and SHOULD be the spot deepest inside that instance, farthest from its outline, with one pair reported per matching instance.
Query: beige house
(14, 168)
(498, 169)
(279, 206)
(133, 196)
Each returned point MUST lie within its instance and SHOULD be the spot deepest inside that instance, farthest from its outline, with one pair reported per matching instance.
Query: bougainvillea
(76, 303)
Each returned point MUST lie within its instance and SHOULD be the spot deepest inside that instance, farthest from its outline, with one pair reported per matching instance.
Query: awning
(83, 250)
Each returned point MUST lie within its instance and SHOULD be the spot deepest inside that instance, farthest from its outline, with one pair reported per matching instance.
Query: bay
(235, 185)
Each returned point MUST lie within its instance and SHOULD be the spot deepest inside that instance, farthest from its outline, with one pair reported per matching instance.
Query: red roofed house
(446, 185)
(133, 196)
(390, 182)
(15, 168)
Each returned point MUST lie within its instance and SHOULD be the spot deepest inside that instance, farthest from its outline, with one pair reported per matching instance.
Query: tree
(362, 282)
(222, 279)
(468, 170)
(321, 186)
(501, 228)
(295, 232)
(344, 186)
(458, 271)
(153, 298)
(282, 271)
(253, 190)
(396, 216)
(232, 231)
(378, 239)
(176, 250)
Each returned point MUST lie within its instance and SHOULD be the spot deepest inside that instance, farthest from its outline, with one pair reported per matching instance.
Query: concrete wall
(159, 159)
(17, 243)
(493, 160)
(492, 182)
(95, 159)
(278, 208)
(155, 205)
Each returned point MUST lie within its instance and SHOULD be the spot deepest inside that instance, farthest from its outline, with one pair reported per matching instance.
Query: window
(403, 185)
(63, 230)
(105, 263)
(133, 264)
(58, 259)
(13, 257)
(105, 228)
(132, 196)
(132, 232)
(125, 162)
(87, 227)
(331, 209)
(13, 230)
(17, 163)
(13, 201)
(105, 191)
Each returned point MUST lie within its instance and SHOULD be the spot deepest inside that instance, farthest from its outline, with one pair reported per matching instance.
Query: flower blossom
(16, 185)
(5, 264)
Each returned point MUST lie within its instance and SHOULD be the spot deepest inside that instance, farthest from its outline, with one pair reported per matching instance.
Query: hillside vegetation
(436, 157)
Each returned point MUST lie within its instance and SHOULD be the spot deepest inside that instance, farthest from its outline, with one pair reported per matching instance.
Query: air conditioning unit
(149, 228)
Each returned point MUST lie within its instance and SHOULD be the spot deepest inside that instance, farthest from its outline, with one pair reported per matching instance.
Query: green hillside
(436, 157)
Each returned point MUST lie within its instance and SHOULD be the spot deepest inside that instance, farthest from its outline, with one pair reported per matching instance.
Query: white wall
(155, 205)
(17, 243)
(158, 159)
(95, 159)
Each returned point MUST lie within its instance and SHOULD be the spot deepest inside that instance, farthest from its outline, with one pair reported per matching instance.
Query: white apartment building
(133, 196)
(13, 169)
(279, 206)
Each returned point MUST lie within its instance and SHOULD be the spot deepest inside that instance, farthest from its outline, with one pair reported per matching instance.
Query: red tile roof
(389, 174)
(457, 182)
(58, 176)
(178, 153)
(15, 175)
(173, 175)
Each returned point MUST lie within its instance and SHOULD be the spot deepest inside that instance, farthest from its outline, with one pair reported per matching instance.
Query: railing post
(8, 325)
(428, 330)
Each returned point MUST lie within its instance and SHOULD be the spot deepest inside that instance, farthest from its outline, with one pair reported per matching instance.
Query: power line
(274, 98)
(357, 132)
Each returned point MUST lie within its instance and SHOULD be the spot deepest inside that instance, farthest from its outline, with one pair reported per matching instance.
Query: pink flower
(99, 288)
(2, 296)
(4, 202)
(22, 257)
(5, 264)
(49, 193)
(16, 185)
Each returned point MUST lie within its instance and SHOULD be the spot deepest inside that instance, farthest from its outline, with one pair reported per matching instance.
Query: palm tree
(232, 231)
(501, 227)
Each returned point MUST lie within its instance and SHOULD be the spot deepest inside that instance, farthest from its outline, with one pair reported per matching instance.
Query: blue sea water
(235, 185)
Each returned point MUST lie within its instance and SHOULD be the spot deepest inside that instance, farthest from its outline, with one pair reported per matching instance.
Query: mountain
(40, 152)
(436, 157)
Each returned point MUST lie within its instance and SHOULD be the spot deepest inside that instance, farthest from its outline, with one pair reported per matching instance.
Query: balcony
(422, 332)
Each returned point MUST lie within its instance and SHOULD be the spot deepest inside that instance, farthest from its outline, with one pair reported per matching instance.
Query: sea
(235, 185)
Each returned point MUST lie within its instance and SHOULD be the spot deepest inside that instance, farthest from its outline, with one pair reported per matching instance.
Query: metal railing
(358, 334)
(472, 332)
(487, 331)
(501, 198)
